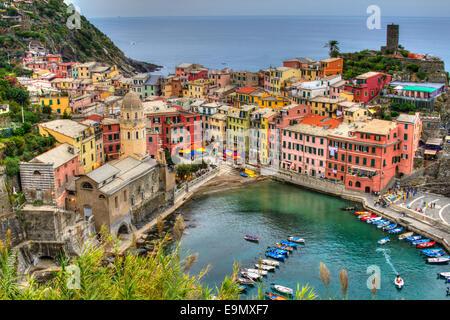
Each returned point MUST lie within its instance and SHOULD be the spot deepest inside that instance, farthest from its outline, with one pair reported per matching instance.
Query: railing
(194, 183)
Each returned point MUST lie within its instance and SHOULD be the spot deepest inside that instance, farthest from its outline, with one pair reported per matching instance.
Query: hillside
(44, 22)
(401, 68)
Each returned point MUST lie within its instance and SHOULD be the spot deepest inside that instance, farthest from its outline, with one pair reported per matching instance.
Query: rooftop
(377, 126)
(57, 156)
(66, 127)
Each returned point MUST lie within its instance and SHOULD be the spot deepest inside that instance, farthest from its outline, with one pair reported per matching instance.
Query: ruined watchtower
(392, 38)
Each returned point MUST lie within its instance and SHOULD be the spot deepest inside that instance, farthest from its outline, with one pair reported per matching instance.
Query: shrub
(412, 67)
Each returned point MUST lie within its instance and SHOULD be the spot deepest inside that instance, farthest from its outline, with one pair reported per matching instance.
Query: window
(116, 202)
(87, 185)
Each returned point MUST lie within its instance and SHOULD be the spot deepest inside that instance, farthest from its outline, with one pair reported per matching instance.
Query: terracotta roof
(246, 90)
(320, 121)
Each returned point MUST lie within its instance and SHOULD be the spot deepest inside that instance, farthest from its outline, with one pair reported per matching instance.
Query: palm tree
(333, 46)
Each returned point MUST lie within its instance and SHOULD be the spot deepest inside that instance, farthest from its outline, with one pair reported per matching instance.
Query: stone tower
(132, 127)
(392, 37)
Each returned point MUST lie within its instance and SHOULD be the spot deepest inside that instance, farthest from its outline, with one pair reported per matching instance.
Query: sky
(140, 8)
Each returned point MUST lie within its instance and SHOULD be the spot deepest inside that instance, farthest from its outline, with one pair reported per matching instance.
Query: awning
(434, 141)
(364, 169)
(431, 152)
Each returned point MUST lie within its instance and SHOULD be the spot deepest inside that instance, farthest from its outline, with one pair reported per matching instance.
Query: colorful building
(331, 66)
(60, 104)
(366, 86)
(111, 138)
(274, 77)
(325, 106)
(78, 135)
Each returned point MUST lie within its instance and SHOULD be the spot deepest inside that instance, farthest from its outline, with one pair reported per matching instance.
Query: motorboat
(383, 241)
(390, 227)
(251, 275)
(373, 220)
(251, 238)
(445, 275)
(348, 208)
(433, 251)
(280, 251)
(416, 242)
(264, 267)
(288, 243)
(358, 213)
(439, 260)
(257, 271)
(274, 255)
(269, 262)
(296, 239)
(282, 247)
(396, 230)
(405, 235)
(246, 281)
(413, 238)
(398, 282)
(273, 296)
(368, 217)
(426, 244)
(384, 224)
(380, 221)
(282, 289)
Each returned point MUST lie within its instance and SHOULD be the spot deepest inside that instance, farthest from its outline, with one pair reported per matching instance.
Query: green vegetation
(185, 171)
(333, 47)
(361, 62)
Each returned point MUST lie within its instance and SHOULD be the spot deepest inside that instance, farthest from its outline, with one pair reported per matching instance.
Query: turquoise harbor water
(217, 224)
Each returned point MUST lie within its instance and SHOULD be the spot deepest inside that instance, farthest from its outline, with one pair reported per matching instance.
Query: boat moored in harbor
(405, 235)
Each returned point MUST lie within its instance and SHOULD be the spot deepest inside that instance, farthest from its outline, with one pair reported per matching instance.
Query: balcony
(363, 172)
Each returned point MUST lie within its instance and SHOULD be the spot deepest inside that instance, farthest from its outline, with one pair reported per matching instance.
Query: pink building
(46, 177)
(220, 78)
(304, 145)
(366, 86)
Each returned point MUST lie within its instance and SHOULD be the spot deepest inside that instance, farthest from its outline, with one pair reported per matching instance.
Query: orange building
(331, 66)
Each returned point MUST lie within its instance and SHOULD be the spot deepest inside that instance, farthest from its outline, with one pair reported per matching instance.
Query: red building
(111, 138)
(65, 69)
(366, 86)
(366, 157)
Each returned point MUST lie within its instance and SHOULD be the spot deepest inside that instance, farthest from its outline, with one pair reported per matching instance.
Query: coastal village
(117, 137)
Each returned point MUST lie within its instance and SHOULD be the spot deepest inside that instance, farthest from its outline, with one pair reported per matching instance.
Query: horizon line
(263, 15)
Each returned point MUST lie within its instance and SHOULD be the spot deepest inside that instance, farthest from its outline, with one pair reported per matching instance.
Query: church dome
(131, 101)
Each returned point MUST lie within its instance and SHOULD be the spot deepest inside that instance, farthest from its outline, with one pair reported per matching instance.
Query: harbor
(332, 236)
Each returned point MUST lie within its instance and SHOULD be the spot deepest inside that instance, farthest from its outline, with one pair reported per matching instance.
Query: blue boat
(420, 241)
(384, 224)
(433, 251)
(434, 254)
(279, 251)
(290, 244)
(413, 238)
(244, 175)
(380, 221)
(383, 241)
(390, 227)
(396, 230)
(274, 255)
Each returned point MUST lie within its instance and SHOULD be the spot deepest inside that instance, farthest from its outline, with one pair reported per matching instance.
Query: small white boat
(269, 262)
(257, 271)
(373, 220)
(399, 283)
(405, 235)
(438, 260)
(383, 241)
(445, 275)
(283, 289)
(264, 267)
(251, 275)
(296, 239)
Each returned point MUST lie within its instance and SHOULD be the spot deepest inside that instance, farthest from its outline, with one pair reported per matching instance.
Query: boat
(373, 220)
(269, 262)
(279, 251)
(398, 282)
(282, 289)
(246, 281)
(396, 230)
(257, 271)
(273, 296)
(380, 221)
(433, 251)
(383, 241)
(244, 175)
(426, 244)
(416, 242)
(348, 208)
(384, 224)
(413, 238)
(251, 238)
(390, 227)
(405, 235)
(264, 267)
(439, 260)
(274, 255)
(445, 275)
(358, 213)
(434, 254)
(288, 243)
(368, 217)
(251, 275)
(287, 248)
(242, 288)
(296, 239)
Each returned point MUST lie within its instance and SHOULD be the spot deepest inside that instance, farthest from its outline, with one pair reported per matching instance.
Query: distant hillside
(45, 22)
(401, 69)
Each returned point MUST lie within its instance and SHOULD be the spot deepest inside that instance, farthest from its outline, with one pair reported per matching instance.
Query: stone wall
(14, 223)
(148, 210)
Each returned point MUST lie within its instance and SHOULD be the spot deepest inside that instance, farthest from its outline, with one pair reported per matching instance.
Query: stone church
(129, 191)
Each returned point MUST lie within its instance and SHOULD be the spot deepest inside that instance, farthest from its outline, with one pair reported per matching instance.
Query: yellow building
(259, 135)
(197, 89)
(274, 77)
(59, 104)
(238, 130)
(355, 113)
(311, 72)
(325, 106)
(273, 102)
(76, 134)
(83, 71)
